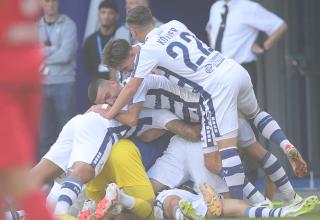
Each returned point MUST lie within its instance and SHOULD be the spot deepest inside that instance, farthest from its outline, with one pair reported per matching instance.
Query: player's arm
(151, 135)
(185, 130)
(165, 119)
(176, 126)
(130, 117)
(124, 97)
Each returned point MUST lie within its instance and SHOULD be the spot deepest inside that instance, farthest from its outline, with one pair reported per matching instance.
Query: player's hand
(257, 49)
(104, 112)
(94, 108)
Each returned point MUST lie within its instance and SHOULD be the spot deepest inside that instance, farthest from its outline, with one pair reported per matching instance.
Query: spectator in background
(123, 31)
(233, 28)
(94, 44)
(20, 96)
(58, 34)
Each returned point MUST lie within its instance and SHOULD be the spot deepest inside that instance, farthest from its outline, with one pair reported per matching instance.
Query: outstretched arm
(129, 117)
(124, 97)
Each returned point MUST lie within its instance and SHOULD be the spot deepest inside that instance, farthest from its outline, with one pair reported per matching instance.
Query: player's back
(157, 92)
(178, 50)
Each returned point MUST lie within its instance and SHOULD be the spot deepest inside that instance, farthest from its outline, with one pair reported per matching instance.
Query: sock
(70, 189)
(34, 206)
(256, 212)
(276, 173)
(14, 215)
(270, 129)
(251, 193)
(232, 171)
(142, 195)
(177, 214)
(127, 201)
(143, 209)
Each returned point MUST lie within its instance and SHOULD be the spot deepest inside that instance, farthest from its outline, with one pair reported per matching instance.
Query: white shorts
(182, 161)
(60, 151)
(197, 201)
(87, 138)
(93, 139)
(229, 91)
(246, 136)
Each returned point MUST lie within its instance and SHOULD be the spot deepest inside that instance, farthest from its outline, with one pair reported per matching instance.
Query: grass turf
(313, 215)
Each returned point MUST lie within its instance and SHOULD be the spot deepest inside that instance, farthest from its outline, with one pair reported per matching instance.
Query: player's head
(102, 91)
(50, 7)
(130, 4)
(108, 13)
(119, 55)
(140, 21)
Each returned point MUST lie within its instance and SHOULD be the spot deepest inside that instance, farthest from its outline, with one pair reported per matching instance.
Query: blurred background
(288, 75)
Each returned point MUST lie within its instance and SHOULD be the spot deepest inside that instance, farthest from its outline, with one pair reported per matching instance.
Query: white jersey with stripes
(187, 61)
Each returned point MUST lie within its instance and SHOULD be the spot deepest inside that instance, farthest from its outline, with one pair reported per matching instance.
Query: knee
(82, 171)
(169, 204)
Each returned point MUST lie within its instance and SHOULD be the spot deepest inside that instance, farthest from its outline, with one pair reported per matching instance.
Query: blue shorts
(151, 151)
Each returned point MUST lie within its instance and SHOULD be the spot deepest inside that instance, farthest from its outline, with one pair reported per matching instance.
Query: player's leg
(274, 170)
(169, 168)
(269, 187)
(92, 142)
(195, 163)
(124, 167)
(183, 160)
(268, 161)
(179, 204)
(267, 126)
(220, 124)
(55, 161)
(249, 191)
(239, 208)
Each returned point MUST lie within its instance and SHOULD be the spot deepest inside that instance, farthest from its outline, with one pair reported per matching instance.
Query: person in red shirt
(20, 95)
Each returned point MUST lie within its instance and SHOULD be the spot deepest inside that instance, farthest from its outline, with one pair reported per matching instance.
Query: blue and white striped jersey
(187, 61)
(157, 92)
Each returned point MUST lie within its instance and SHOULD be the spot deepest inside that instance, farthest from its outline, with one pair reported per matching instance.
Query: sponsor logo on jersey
(209, 68)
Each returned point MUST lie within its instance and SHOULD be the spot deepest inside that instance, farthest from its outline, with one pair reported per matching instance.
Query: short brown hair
(139, 16)
(116, 52)
(93, 89)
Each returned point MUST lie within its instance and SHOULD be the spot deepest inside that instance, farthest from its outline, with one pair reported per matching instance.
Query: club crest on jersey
(209, 68)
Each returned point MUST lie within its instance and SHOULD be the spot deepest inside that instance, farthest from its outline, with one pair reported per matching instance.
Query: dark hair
(93, 89)
(116, 52)
(139, 16)
(112, 4)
